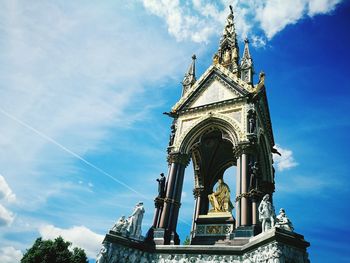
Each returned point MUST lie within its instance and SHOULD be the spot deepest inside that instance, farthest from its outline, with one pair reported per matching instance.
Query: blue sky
(83, 85)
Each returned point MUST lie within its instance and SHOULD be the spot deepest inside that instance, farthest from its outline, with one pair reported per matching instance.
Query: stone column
(168, 221)
(197, 192)
(174, 211)
(244, 188)
(169, 193)
(238, 192)
(158, 203)
(254, 211)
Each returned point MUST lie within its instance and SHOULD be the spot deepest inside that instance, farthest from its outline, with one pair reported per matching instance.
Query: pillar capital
(242, 148)
(158, 202)
(198, 191)
(176, 157)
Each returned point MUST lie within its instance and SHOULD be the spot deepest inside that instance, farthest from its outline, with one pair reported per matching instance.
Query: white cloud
(6, 216)
(10, 255)
(80, 236)
(286, 160)
(198, 20)
(274, 15)
(5, 191)
(321, 6)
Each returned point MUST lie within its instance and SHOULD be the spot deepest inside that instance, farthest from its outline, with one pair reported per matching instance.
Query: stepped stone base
(275, 245)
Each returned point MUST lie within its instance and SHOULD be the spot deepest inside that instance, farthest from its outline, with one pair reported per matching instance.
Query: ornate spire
(247, 69)
(227, 54)
(190, 76)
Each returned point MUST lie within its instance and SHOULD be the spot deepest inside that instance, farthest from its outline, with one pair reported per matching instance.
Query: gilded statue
(220, 199)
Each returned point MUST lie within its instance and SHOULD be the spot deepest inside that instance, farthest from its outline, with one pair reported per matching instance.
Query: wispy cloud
(70, 75)
(80, 236)
(6, 216)
(5, 191)
(10, 255)
(198, 20)
(7, 196)
(286, 160)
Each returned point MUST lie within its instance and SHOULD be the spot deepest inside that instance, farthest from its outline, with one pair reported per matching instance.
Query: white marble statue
(282, 221)
(135, 221)
(119, 225)
(266, 213)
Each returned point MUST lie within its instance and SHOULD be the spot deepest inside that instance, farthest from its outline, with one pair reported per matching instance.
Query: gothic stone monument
(221, 120)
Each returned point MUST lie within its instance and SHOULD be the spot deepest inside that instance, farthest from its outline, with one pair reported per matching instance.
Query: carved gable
(216, 91)
(214, 86)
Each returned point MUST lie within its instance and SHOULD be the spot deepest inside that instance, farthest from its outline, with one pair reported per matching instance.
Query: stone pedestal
(275, 245)
(212, 228)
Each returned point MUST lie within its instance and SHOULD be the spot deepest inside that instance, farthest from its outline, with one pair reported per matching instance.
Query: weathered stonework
(275, 246)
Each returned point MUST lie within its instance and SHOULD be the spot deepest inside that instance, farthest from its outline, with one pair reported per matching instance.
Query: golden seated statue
(220, 199)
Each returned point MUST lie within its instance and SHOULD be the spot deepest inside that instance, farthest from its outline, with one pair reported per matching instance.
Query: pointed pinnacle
(194, 57)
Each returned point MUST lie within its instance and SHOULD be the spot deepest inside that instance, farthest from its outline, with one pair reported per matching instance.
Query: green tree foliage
(57, 251)
(186, 241)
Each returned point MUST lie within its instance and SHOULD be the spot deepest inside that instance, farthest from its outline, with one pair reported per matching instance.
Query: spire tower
(228, 51)
(247, 69)
(190, 76)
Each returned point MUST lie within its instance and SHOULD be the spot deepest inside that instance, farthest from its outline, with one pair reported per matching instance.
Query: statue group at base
(268, 218)
(132, 226)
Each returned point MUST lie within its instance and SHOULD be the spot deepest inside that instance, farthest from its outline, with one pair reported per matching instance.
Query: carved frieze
(270, 252)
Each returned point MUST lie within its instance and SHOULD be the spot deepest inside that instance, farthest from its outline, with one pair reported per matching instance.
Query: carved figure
(262, 78)
(172, 133)
(220, 199)
(119, 225)
(135, 220)
(144, 258)
(282, 221)
(253, 175)
(161, 186)
(252, 123)
(215, 59)
(227, 56)
(266, 213)
(102, 256)
(276, 254)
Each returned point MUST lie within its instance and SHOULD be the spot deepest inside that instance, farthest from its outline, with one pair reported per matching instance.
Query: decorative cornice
(212, 105)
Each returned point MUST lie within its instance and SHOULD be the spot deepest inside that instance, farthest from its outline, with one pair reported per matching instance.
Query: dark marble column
(238, 192)
(244, 188)
(158, 203)
(197, 193)
(170, 213)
